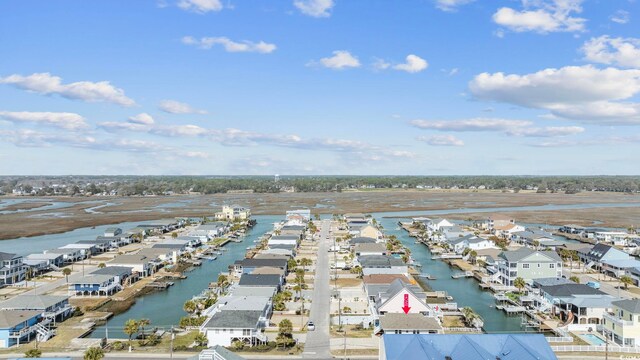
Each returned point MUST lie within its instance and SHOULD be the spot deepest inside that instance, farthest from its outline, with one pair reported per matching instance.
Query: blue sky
(417, 87)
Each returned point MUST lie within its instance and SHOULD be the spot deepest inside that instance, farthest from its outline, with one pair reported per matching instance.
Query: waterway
(164, 308)
(465, 291)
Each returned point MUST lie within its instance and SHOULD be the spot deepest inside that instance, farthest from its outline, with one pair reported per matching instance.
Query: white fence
(591, 348)
(559, 339)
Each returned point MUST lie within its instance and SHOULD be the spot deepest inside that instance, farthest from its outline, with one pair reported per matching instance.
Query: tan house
(234, 212)
(623, 325)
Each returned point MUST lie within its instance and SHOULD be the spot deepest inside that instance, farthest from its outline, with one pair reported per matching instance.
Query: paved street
(317, 345)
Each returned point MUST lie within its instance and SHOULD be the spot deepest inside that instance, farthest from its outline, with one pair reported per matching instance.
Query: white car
(311, 326)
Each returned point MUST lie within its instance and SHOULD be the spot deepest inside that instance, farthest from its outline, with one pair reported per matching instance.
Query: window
(525, 266)
(552, 266)
(538, 265)
(246, 332)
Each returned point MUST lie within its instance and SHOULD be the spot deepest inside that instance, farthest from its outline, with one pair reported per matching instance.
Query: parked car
(311, 326)
(593, 284)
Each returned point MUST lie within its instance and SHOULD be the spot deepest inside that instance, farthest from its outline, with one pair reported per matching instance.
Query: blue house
(52, 308)
(468, 347)
(18, 326)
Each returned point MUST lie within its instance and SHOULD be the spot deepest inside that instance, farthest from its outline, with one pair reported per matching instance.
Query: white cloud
(179, 130)
(200, 6)
(176, 107)
(550, 131)
(542, 16)
(230, 45)
(341, 59)
(620, 17)
(613, 51)
(442, 140)
(45, 83)
(380, 64)
(143, 119)
(475, 124)
(582, 93)
(64, 120)
(413, 64)
(195, 154)
(315, 8)
(451, 5)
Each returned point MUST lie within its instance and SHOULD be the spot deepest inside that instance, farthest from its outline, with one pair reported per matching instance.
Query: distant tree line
(164, 185)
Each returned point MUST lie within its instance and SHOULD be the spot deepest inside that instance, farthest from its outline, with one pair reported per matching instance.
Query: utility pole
(172, 337)
(345, 343)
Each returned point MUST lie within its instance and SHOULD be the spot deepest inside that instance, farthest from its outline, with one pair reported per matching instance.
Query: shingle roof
(11, 318)
(362, 240)
(384, 278)
(370, 247)
(400, 321)
(379, 261)
(32, 302)
(112, 270)
(570, 289)
(631, 305)
(238, 319)
(262, 262)
(517, 255)
(6, 256)
(259, 280)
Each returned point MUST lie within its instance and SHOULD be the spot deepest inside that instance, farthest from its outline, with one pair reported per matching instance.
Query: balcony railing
(618, 321)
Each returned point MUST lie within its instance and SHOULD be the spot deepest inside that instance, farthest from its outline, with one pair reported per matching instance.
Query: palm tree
(201, 339)
(575, 279)
(66, 272)
(142, 323)
(102, 266)
(94, 353)
(189, 306)
(626, 280)
(519, 283)
(473, 254)
(305, 262)
(130, 328)
(33, 353)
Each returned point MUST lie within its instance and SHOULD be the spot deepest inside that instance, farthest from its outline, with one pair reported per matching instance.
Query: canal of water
(164, 308)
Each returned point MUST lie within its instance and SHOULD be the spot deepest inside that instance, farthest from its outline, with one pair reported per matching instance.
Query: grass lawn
(351, 332)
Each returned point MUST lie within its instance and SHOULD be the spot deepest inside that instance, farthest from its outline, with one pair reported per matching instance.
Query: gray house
(528, 264)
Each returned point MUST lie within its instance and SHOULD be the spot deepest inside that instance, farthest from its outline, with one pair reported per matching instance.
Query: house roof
(370, 247)
(379, 261)
(401, 321)
(240, 319)
(551, 281)
(468, 347)
(269, 291)
(7, 256)
(285, 237)
(282, 263)
(112, 270)
(600, 250)
(267, 270)
(259, 280)
(241, 303)
(362, 240)
(384, 278)
(132, 259)
(564, 290)
(11, 318)
(93, 279)
(630, 305)
(506, 227)
(517, 255)
(31, 302)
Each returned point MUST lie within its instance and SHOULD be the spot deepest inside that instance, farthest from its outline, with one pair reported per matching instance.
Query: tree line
(163, 185)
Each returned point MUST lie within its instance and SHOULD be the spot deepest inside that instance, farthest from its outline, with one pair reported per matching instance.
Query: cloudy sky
(320, 87)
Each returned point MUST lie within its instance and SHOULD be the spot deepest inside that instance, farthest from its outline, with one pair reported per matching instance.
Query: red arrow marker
(406, 306)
